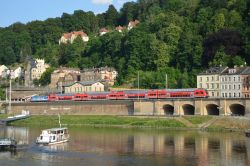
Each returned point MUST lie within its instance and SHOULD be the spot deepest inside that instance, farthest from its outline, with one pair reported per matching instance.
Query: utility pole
(166, 81)
(138, 79)
(10, 97)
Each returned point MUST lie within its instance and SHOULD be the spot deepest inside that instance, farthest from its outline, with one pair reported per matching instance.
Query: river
(121, 147)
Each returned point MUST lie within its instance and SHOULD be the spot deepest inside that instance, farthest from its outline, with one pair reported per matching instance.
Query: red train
(128, 94)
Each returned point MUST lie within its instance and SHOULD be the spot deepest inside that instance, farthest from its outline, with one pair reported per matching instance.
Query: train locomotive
(124, 95)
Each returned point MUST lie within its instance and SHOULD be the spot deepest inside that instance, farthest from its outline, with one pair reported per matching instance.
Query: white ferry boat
(53, 136)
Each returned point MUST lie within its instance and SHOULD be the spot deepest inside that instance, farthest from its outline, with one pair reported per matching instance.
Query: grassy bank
(230, 123)
(219, 124)
(3, 116)
(197, 120)
(72, 120)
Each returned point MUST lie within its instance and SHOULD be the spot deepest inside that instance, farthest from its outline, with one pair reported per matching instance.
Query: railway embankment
(208, 123)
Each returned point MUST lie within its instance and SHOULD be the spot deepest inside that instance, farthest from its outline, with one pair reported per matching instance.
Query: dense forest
(179, 38)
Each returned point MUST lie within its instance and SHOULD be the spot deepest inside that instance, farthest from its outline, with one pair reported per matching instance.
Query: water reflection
(100, 146)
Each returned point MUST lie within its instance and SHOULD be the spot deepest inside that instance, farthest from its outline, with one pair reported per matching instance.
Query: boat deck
(7, 143)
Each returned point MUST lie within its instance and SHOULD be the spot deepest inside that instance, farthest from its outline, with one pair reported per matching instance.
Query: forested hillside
(175, 37)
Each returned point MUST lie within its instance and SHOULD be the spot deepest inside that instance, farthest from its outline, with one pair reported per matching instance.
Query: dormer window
(231, 71)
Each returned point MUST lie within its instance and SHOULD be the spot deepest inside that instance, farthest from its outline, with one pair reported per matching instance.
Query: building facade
(70, 37)
(3, 69)
(34, 69)
(210, 80)
(236, 83)
(103, 31)
(64, 76)
(39, 69)
(80, 87)
(105, 75)
(226, 82)
(133, 24)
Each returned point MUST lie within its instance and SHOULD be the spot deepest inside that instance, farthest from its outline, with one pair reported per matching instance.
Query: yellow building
(79, 87)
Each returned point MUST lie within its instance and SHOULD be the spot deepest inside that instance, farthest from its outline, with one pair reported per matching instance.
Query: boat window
(54, 137)
(41, 137)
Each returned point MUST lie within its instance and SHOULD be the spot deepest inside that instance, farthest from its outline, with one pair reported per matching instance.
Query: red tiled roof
(134, 23)
(119, 28)
(104, 30)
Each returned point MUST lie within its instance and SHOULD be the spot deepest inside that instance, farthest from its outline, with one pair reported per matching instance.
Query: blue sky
(28, 10)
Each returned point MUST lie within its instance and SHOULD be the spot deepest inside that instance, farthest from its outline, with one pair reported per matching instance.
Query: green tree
(111, 16)
(46, 77)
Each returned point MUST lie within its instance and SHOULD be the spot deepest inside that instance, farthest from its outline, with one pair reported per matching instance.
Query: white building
(87, 86)
(133, 24)
(3, 68)
(39, 69)
(103, 31)
(119, 28)
(18, 72)
(231, 82)
(210, 80)
(70, 37)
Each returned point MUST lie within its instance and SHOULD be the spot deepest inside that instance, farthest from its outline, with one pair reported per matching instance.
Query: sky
(29, 10)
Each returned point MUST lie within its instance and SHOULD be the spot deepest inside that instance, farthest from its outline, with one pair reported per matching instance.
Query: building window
(239, 94)
(225, 94)
(238, 78)
(200, 78)
(212, 93)
(239, 86)
(234, 94)
(222, 79)
(229, 79)
(222, 86)
(207, 86)
(234, 87)
(222, 94)
(200, 85)
(225, 86)
(229, 87)
(212, 78)
(234, 79)
(212, 86)
(225, 78)
(229, 94)
(207, 79)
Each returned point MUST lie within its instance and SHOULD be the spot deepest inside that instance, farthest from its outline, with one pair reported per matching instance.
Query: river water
(122, 147)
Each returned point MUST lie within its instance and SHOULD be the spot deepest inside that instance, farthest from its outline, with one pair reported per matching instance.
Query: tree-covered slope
(175, 37)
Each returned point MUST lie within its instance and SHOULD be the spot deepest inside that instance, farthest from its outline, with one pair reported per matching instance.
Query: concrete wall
(76, 108)
(137, 107)
(201, 106)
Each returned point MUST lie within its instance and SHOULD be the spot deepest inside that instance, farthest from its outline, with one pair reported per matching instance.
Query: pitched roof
(235, 71)
(103, 30)
(119, 28)
(77, 33)
(213, 70)
(246, 71)
(133, 23)
(85, 83)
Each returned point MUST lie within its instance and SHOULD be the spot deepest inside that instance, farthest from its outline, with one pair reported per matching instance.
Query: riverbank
(213, 123)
